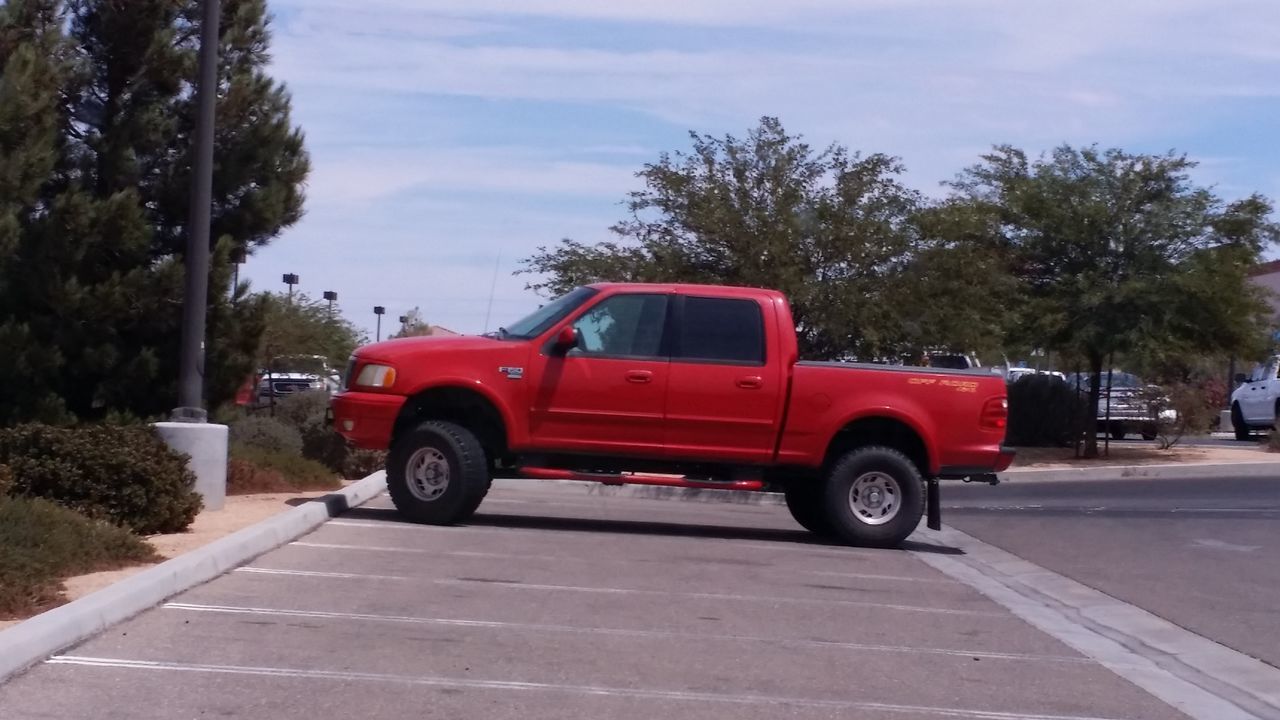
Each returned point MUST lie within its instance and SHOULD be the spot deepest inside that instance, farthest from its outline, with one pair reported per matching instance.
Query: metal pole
(191, 363)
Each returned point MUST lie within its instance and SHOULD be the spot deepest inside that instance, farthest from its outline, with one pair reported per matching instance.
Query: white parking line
(594, 690)
(517, 585)
(422, 551)
(620, 632)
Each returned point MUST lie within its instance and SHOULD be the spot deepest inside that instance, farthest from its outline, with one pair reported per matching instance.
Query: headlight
(376, 376)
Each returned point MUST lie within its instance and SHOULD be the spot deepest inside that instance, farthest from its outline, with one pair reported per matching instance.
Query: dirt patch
(1049, 458)
(240, 512)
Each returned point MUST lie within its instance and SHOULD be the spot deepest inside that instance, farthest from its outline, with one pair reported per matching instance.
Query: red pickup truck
(679, 385)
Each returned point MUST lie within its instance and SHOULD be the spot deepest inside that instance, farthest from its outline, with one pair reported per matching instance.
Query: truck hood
(399, 348)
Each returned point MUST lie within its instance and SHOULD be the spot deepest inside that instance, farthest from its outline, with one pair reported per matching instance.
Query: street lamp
(379, 311)
(191, 351)
(290, 279)
(331, 296)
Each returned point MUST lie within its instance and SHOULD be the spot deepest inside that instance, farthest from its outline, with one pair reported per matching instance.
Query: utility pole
(191, 434)
(379, 311)
(195, 296)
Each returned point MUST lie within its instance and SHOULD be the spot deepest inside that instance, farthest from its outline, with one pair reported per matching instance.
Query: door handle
(753, 382)
(639, 376)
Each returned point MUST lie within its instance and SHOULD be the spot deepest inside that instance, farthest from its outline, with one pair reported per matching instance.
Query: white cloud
(359, 175)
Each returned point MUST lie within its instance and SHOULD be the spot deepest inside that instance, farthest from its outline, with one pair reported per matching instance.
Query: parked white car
(1256, 403)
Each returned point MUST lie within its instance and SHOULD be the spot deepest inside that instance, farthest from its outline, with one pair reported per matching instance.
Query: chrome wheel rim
(427, 473)
(875, 498)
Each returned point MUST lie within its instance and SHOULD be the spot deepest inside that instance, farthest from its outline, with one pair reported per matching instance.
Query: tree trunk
(1095, 399)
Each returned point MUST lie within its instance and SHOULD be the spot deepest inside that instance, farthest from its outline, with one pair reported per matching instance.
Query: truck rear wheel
(804, 500)
(874, 497)
(437, 473)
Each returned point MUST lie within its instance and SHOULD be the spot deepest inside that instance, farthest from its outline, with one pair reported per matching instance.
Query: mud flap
(933, 504)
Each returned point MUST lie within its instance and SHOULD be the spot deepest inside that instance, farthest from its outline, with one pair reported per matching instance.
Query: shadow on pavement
(639, 527)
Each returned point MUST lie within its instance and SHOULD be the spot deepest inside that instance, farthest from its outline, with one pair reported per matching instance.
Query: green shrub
(362, 463)
(41, 544)
(254, 470)
(1044, 411)
(266, 433)
(125, 475)
(6, 480)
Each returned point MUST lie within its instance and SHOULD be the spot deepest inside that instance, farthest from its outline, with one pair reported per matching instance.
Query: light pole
(237, 258)
(379, 311)
(331, 296)
(203, 443)
(290, 279)
(191, 352)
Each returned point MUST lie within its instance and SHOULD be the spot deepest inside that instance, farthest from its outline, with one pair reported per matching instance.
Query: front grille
(286, 387)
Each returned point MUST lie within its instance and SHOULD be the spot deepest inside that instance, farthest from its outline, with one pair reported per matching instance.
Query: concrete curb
(1149, 472)
(30, 641)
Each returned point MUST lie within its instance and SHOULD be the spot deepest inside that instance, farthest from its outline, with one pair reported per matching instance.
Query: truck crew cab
(678, 385)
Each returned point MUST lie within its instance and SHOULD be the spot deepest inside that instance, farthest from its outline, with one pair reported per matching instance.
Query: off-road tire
(467, 481)
(875, 464)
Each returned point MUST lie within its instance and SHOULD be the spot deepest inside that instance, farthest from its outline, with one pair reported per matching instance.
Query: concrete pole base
(1224, 422)
(205, 445)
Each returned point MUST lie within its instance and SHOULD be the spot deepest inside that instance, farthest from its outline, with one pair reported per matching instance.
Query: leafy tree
(413, 325)
(1118, 253)
(301, 326)
(832, 229)
(93, 216)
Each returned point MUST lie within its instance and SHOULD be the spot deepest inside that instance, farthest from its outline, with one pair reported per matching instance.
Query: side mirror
(568, 339)
(1241, 379)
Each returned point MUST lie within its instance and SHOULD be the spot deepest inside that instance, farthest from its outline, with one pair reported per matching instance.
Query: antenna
(492, 289)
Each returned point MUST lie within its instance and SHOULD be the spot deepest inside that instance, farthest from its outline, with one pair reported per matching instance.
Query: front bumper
(366, 419)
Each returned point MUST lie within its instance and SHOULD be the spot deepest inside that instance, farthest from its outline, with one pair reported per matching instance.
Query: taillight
(995, 414)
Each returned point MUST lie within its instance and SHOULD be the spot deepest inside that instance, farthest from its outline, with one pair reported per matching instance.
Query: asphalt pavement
(1202, 553)
(556, 603)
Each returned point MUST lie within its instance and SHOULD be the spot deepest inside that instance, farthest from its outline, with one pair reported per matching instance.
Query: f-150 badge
(512, 373)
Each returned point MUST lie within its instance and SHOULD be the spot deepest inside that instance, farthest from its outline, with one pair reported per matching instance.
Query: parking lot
(555, 602)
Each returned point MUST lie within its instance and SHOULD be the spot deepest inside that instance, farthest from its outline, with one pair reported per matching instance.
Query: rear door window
(725, 330)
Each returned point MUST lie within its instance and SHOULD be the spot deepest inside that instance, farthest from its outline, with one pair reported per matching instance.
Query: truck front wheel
(874, 497)
(437, 473)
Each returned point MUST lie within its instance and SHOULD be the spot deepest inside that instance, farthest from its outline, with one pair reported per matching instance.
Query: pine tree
(93, 217)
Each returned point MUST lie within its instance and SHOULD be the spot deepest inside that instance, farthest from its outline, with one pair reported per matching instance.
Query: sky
(451, 138)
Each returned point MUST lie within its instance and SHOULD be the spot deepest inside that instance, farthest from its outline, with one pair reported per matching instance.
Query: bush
(253, 470)
(1044, 411)
(266, 433)
(42, 543)
(362, 463)
(6, 480)
(125, 475)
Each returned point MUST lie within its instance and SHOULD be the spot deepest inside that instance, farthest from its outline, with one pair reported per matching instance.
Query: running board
(537, 473)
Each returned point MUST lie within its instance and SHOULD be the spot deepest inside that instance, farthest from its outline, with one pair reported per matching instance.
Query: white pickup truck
(1256, 403)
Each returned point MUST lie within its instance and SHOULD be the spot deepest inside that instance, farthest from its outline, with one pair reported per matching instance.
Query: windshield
(544, 317)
